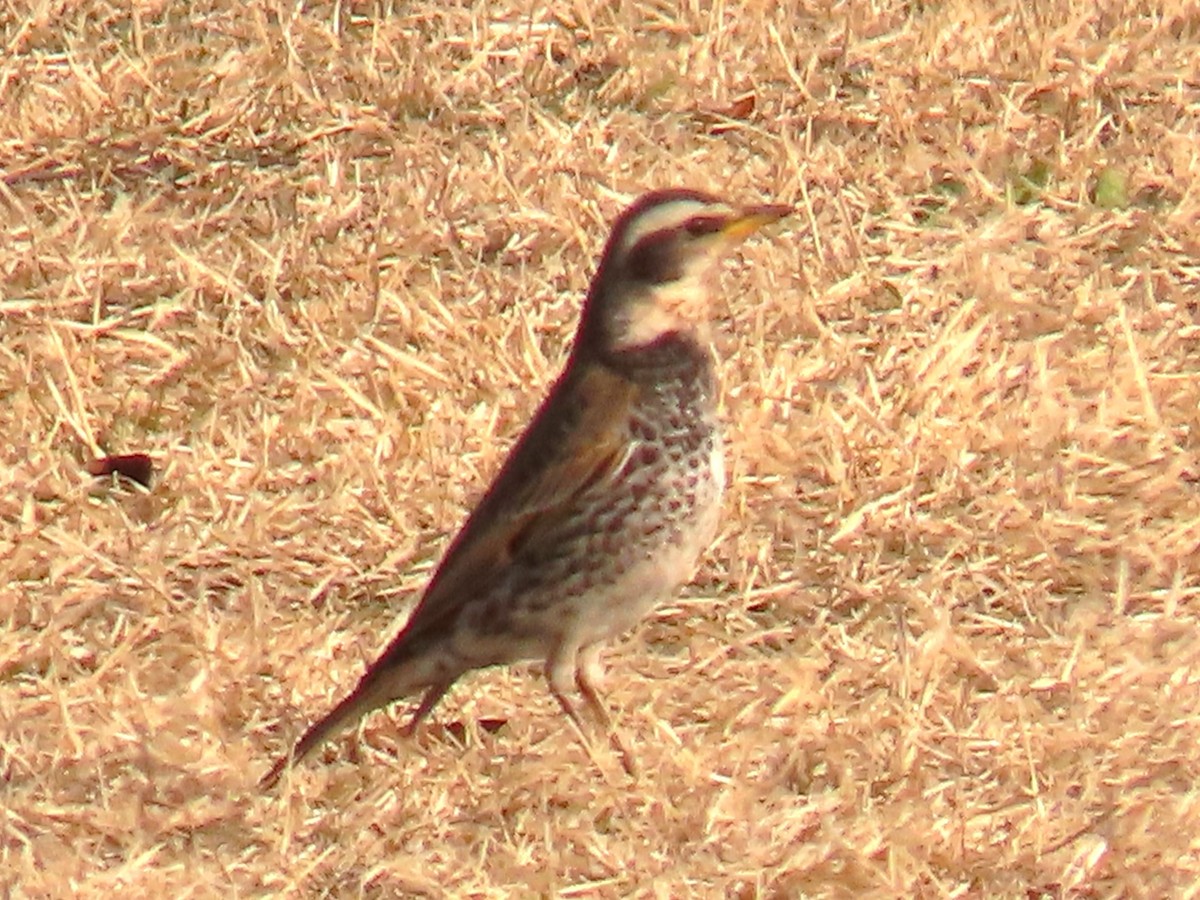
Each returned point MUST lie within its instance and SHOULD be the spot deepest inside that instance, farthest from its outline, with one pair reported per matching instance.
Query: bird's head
(652, 284)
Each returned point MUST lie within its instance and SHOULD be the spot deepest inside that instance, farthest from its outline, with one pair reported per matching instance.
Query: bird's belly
(662, 554)
(610, 563)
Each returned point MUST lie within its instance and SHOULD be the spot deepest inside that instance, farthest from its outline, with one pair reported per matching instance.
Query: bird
(608, 498)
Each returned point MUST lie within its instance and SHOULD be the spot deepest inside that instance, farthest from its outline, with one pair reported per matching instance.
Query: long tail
(378, 687)
(351, 709)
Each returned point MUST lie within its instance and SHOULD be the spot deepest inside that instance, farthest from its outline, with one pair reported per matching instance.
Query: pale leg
(588, 674)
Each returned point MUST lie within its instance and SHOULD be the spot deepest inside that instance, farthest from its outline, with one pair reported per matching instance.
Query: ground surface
(320, 264)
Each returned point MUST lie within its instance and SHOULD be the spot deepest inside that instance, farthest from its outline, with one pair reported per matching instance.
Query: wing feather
(577, 439)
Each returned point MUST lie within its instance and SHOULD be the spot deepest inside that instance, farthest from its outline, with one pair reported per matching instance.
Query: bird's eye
(698, 226)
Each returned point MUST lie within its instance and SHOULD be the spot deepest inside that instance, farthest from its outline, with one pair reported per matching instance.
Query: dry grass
(320, 265)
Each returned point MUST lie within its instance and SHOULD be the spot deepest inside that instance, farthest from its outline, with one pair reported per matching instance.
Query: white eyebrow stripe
(666, 215)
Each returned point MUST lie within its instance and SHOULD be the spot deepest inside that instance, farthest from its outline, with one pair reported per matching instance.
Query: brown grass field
(320, 262)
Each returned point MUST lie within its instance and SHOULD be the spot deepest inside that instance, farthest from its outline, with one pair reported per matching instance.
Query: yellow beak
(752, 218)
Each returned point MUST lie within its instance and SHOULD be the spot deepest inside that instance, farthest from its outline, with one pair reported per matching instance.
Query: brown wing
(578, 438)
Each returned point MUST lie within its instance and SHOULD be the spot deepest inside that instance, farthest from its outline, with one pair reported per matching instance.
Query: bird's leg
(588, 674)
(432, 695)
(560, 670)
(583, 668)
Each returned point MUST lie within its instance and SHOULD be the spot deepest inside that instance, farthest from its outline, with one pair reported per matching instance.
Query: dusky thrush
(608, 498)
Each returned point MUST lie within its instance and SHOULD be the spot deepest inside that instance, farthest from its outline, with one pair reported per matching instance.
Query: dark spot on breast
(642, 431)
(648, 455)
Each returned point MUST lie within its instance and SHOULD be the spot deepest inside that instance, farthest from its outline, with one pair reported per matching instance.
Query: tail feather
(376, 689)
